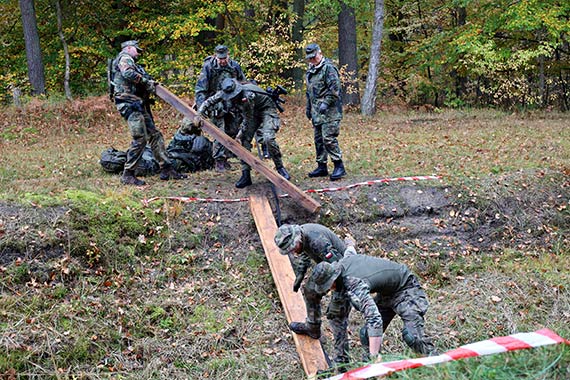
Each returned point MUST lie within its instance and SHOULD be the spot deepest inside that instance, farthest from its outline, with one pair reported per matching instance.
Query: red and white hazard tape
(513, 342)
(326, 190)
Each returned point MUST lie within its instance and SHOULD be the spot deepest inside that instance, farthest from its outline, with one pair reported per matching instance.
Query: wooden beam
(310, 350)
(287, 187)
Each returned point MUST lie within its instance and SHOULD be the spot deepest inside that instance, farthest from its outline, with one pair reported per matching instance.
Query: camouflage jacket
(323, 86)
(319, 244)
(362, 275)
(254, 102)
(211, 77)
(128, 77)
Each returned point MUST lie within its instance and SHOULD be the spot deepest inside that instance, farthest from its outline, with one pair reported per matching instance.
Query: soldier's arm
(202, 86)
(301, 264)
(332, 82)
(360, 298)
(239, 72)
(207, 104)
(128, 69)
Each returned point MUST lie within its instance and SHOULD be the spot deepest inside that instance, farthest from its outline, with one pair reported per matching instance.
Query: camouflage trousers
(264, 130)
(228, 124)
(326, 141)
(337, 314)
(410, 304)
(143, 131)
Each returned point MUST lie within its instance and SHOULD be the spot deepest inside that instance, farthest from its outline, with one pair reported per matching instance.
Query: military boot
(320, 171)
(338, 171)
(245, 179)
(128, 178)
(309, 328)
(168, 172)
(284, 173)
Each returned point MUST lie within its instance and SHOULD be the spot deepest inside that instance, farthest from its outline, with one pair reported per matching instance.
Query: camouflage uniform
(131, 99)
(397, 291)
(323, 86)
(260, 119)
(209, 82)
(318, 244)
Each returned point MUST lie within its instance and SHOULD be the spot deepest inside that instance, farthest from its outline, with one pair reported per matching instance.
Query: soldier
(260, 120)
(132, 87)
(324, 109)
(397, 292)
(216, 68)
(304, 244)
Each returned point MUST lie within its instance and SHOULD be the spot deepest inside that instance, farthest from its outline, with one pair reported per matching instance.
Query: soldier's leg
(412, 309)
(321, 153)
(312, 324)
(330, 132)
(156, 141)
(337, 314)
(137, 128)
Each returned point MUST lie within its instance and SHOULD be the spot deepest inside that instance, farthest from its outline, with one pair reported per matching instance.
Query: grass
(96, 285)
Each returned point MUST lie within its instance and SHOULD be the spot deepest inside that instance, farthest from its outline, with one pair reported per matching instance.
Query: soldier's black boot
(168, 172)
(320, 171)
(284, 173)
(310, 329)
(338, 171)
(128, 178)
(245, 179)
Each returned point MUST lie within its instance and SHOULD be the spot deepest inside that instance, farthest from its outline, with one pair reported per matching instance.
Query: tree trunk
(66, 88)
(347, 55)
(369, 99)
(33, 49)
(297, 33)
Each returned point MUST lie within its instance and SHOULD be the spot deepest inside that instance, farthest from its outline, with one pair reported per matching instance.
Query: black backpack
(190, 153)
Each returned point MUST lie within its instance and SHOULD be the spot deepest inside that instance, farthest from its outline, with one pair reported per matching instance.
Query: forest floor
(97, 285)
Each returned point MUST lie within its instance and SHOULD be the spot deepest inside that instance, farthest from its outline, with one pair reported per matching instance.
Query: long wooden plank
(309, 350)
(294, 192)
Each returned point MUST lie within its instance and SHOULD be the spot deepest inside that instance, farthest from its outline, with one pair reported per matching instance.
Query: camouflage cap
(324, 275)
(221, 51)
(131, 43)
(287, 237)
(311, 51)
(230, 88)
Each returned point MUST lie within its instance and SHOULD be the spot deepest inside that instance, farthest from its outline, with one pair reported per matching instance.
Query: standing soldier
(397, 291)
(260, 121)
(216, 68)
(324, 109)
(305, 244)
(132, 88)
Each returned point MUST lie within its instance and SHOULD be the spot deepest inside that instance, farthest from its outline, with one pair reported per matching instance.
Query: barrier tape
(325, 190)
(513, 342)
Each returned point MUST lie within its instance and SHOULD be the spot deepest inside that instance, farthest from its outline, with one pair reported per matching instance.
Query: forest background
(440, 53)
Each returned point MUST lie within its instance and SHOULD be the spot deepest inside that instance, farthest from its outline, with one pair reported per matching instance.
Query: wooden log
(281, 183)
(310, 350)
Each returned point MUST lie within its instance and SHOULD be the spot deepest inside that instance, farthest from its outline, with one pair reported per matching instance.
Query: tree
(369, 99)
(33, 49)
(347, 56)
(65, 49)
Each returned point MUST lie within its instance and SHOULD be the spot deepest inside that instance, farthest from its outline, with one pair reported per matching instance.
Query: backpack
(113, 161)
(190, 153)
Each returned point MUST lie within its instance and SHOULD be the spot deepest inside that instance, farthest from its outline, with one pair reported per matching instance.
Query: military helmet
(131, 43)
(324, 275)
(311, 51)
(230, 88)
(287, 237)
(221, 51)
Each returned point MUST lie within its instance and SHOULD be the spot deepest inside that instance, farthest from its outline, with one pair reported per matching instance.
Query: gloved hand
(308, 112)
(297, 284)
(202, 109)
(197, 122)
(150, 85)
(323, 107)
(349, 241)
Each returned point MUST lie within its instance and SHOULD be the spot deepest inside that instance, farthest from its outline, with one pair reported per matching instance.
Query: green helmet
(324, 275)
(287, 237)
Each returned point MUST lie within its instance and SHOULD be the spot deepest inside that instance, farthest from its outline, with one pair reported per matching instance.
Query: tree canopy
(463, 52)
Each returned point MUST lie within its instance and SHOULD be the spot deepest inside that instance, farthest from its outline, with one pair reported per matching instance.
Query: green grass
(96, 285)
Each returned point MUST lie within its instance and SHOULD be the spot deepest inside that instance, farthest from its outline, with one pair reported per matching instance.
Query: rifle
(275, 93)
